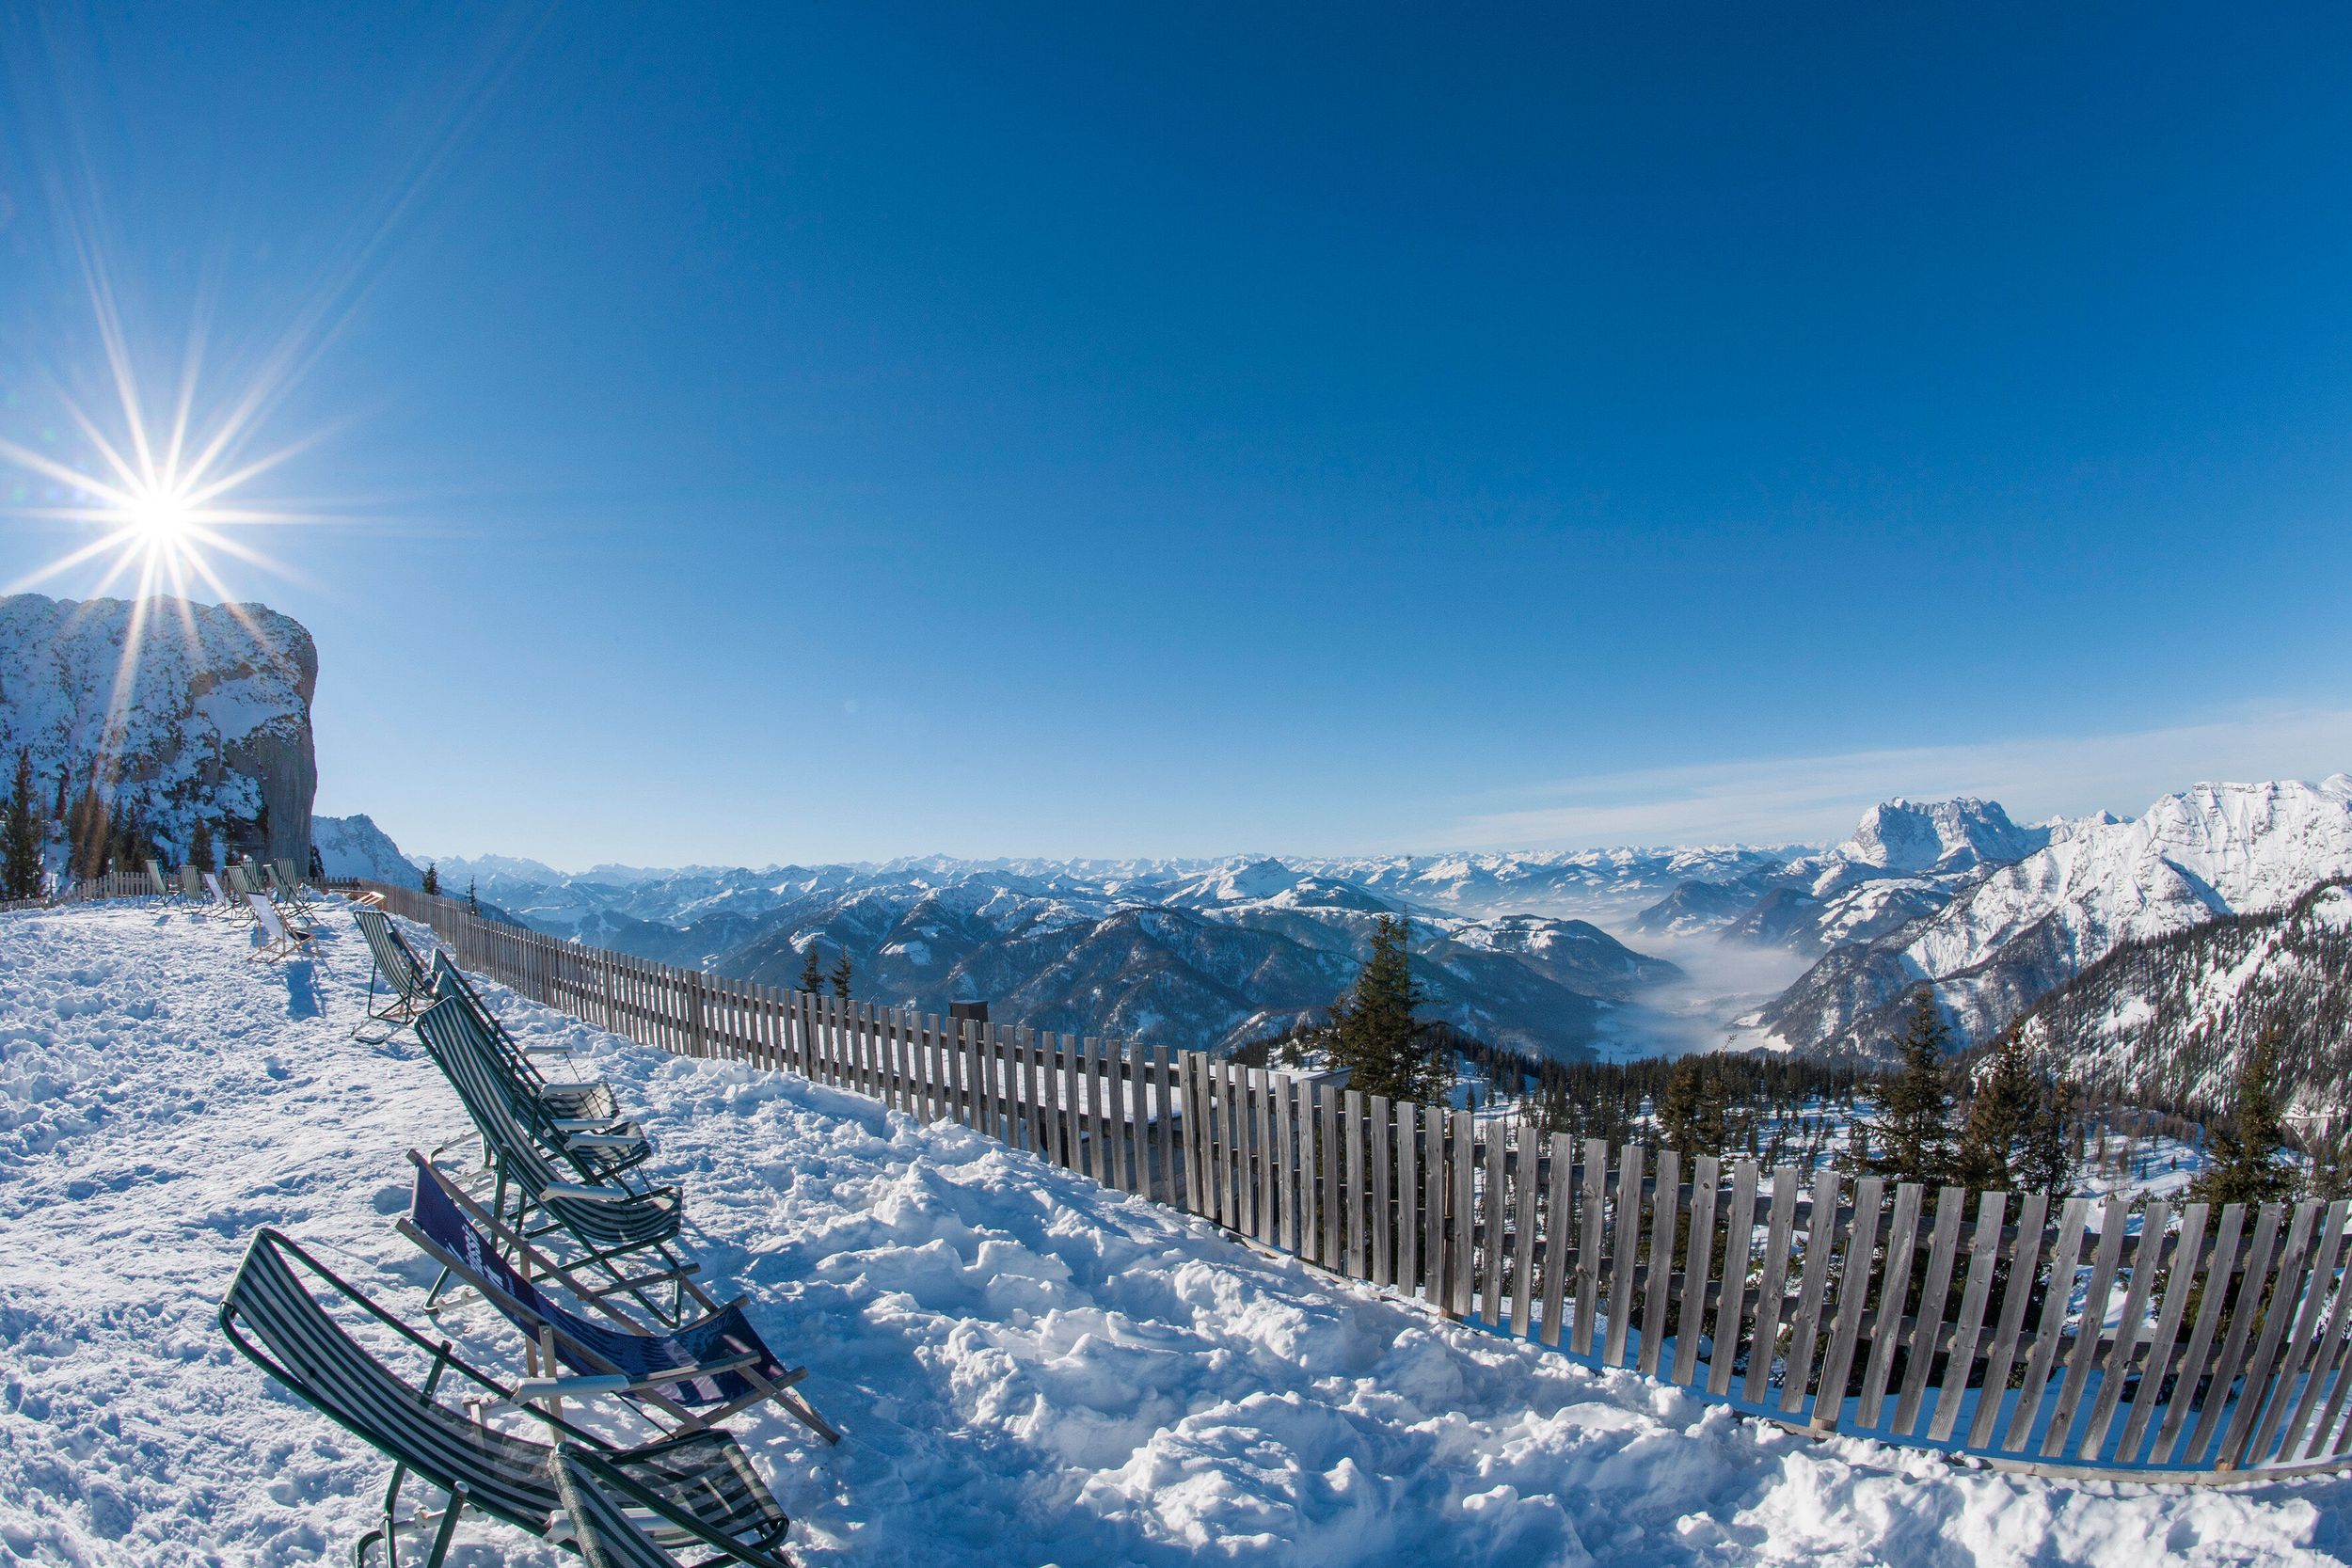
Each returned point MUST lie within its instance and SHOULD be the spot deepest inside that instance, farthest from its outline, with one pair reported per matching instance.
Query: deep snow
(1030, 1370)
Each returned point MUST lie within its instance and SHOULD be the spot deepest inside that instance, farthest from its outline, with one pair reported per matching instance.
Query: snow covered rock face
(1028, 1370)
(212, 721)
(355, 847)
(2213, 850)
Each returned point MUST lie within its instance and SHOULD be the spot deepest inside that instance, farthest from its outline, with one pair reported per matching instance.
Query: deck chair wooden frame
(560, 1343)
(276, 1321)
(279, 941)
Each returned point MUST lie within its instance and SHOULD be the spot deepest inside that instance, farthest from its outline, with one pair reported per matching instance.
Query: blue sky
(802, 432)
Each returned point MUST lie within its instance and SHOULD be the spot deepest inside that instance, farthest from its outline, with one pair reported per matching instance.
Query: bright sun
(161, 518)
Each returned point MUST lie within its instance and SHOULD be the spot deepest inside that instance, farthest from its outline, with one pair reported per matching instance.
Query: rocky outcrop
(179, 711)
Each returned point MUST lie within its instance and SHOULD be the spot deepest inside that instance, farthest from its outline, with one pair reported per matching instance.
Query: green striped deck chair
(155, 880)
(600, 1147)
(290, 884)
(394, 961)
(191, 885)
(698, 1490)
(625, 1234)
(583, 1102)
(610, 1513)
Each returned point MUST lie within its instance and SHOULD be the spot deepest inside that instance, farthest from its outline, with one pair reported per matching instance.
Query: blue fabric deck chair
(563, 1117)
(395, 963)
(615, 1228)
(698, 1488)
(695, 1375)
(278, 939)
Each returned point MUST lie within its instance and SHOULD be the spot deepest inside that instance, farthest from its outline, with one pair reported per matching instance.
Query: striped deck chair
(698, 1488)
(191, 885)
(695, 1375)
(562, 1117)
(402, 973)
(609, 1512)
(278, 939)
(289, 886)
(581, 1102)
(241, 890)
(616, 1228)
(220, 904)
(155, 879)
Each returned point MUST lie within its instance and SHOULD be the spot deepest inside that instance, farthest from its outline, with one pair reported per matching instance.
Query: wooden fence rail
(2152, 1341)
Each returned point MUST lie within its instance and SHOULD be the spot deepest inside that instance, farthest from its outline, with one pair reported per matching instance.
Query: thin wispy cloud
(1816, 798)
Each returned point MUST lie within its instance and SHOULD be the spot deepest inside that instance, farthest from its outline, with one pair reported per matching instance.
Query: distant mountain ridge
(1202, 953)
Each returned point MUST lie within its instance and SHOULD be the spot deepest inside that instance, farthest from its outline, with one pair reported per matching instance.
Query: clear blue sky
(794, 432)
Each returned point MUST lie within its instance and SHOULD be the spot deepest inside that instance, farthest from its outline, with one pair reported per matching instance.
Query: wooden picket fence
(2143, 1341)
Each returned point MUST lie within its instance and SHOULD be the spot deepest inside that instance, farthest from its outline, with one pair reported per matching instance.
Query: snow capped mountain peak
(1905, 835)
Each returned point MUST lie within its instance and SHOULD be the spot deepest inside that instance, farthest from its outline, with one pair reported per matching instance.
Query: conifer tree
(1914, 1133)
(473, 903)
(2244, 1166)
(200, 846)
(433, 877)
(1693, 1112)
(2014, 1135)
(19, 861)
(812, 972)
(2046, 1163)
(843, 972)
(1373, 1033)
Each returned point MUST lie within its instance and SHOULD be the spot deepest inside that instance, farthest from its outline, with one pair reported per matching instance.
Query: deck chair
(221, 904)
(603, 1507)
(695, 1375)
(698, 1488)
(402, 973)
(616, 1228)
(191, 886)
(582, 1103)
(290, 885)
(240, 889)
(155, 879)
(601, 1146)
(278, 939)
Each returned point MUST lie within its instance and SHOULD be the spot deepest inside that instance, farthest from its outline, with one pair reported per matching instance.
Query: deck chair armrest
(596, 1124)
(601, 1140)
(571, 1387)
(547, 1050)
(580, 1194)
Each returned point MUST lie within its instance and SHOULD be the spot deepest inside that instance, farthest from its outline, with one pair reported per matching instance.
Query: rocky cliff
(176, 710)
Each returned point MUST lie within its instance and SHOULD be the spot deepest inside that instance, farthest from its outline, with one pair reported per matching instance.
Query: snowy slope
(355, 847)
(1029, 1370)
(2169, 1021)
(210, 717)
(2212, 850)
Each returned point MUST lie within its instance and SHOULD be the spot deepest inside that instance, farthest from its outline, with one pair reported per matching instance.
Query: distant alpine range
(1572, 954)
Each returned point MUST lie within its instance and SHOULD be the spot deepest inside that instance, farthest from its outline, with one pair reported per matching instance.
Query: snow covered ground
(1029, 1370)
